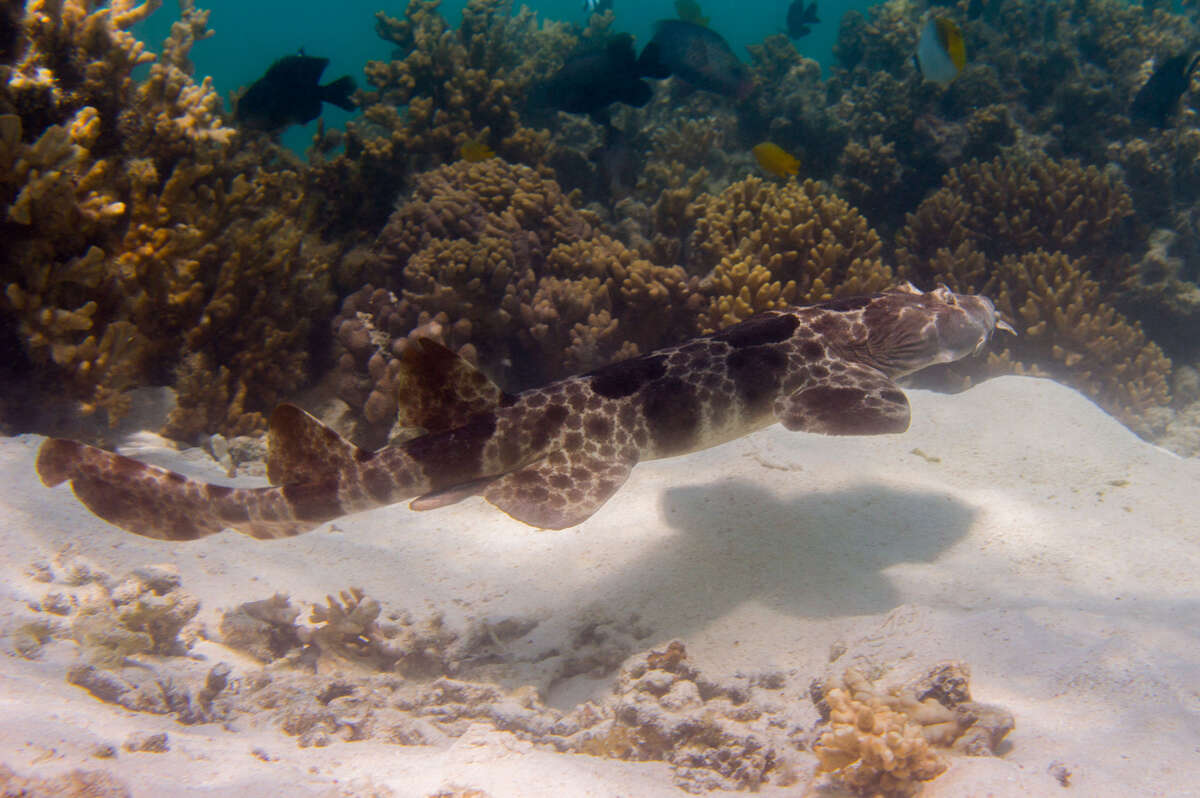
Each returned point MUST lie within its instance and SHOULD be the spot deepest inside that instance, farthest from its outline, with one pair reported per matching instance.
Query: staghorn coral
(884, 743)
(769, 246)
(134, 221)
(492, 260)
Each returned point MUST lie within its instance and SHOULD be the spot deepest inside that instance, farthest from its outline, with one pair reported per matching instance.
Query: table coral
(135, 220)
(770, 246)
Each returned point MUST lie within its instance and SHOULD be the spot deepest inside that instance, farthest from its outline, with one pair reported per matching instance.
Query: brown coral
(493, 260)
(1009, 206)
(770, 246)
(1068, 330)
(1042, 239)
(135, 225)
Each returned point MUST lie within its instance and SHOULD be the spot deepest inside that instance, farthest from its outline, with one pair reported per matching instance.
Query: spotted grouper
(551, 456)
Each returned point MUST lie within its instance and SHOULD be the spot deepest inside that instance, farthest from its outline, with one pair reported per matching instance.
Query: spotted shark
(552, 456)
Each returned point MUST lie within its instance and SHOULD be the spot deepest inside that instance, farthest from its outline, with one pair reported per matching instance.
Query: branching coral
(770, 246)
(492, 260)
(134, 222)
(1067, 330)
(1043, 241)
(884, 743)
(443, 88)
(1009, 206)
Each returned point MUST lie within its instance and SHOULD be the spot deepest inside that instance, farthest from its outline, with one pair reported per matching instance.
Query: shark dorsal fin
(301, 449)
(440, 390)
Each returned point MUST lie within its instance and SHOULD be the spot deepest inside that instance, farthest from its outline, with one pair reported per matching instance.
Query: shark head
(908, 329)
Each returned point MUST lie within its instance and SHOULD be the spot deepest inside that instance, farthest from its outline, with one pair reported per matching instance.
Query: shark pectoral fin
(302, 450)
(444, 498)
(858, 401)
(560, 490)
(441, 390)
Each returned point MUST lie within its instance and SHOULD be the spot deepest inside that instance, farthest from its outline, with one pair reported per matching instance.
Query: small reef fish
(776, 160)
(289, 94)
(689, 11)
(596, 6)
(474, 151)
(697, 55)
(1157, 99)
(595, 79)
(551, 456)
(941, 53)
(800, 19)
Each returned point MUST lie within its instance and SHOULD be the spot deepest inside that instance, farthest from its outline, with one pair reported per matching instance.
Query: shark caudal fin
(157, 503)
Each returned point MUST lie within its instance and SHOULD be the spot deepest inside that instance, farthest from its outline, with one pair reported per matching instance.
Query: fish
(941, 53)
(289, 94)
(475, 150)
(596, 6)
(1157, 99)
(695, 54)
(776, 160)
(590, 81)
(689, 11)
(800, 18)
(551, 456)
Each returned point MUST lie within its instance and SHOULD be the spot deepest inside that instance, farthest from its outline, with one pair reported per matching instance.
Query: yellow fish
(941, 53)
(474, 151)
(774, 159)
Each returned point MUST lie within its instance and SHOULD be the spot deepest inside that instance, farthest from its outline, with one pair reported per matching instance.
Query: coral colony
(1043, 155)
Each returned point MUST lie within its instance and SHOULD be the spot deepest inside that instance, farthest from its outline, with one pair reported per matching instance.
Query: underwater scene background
(154, 237)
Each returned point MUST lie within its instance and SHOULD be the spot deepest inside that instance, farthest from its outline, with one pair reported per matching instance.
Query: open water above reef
(251, 35)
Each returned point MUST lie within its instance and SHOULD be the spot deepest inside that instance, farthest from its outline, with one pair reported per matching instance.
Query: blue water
(249, 36)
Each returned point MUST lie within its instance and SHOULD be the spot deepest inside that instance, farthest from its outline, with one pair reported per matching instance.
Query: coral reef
(769, 246)
(134, 220)
(492, 260)
(442, 88)
(884, 743)
(1043, 240)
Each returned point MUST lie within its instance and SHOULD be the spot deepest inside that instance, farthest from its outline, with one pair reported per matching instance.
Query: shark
(552, 456)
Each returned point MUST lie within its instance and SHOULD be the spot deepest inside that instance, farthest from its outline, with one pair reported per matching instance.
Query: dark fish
(590, 81)
(1156, 101)
(696, 54)
(289, 94)
(799, 18)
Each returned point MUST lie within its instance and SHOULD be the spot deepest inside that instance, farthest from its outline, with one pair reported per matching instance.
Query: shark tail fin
(157, 503)
(440, 390)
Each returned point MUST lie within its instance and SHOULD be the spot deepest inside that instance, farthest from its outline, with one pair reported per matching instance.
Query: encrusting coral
(769, 246)
(134, 221)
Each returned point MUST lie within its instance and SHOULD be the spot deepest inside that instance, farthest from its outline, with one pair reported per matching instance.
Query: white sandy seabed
(1015, 527)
